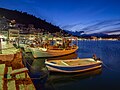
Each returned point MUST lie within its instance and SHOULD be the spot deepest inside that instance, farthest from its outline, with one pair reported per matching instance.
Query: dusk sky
(91, 16)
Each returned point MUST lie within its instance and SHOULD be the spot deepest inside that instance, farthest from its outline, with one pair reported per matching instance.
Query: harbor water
(105, 78)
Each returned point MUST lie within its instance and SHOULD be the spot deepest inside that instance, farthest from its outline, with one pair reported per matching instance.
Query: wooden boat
(47, 53)
(73, 65)
(60, 48)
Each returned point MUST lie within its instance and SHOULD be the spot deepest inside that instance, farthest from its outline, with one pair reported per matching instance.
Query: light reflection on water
(66, 78)
(108, 51)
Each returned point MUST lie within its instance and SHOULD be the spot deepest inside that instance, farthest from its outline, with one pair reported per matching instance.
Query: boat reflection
(37, 70)
(60, 78)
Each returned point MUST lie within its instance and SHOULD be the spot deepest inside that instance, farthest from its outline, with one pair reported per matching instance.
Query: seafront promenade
(13, 74)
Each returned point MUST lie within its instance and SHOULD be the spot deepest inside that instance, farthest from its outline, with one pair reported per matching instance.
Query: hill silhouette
(26, 19)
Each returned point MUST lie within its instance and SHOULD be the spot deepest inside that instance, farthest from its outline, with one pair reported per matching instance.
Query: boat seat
(64, 63)
(53, 62)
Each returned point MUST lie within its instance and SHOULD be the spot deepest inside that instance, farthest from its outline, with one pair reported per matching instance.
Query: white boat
(73, 65)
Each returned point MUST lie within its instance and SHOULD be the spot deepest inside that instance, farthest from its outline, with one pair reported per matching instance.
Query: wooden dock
(14, 76)
(2, 66)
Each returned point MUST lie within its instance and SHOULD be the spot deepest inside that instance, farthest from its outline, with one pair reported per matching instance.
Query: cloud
(102, 26)
(113, 31)
(70, 26)
(106, 26)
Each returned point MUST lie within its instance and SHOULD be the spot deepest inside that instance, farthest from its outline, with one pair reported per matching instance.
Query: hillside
(26, 19)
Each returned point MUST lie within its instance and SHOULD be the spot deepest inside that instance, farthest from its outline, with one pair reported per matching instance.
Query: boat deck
(72, 62)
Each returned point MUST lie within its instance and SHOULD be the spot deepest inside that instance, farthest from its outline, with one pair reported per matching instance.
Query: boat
(73, 65)
(47, 53)
(60, 48)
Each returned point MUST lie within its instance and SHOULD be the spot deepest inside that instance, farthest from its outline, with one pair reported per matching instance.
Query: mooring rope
(109, 67)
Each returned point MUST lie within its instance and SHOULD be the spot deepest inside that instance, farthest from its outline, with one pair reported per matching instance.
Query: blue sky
(91, 16)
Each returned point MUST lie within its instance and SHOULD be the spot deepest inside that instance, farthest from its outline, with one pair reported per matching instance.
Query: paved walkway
(8, 48)
(10, 60)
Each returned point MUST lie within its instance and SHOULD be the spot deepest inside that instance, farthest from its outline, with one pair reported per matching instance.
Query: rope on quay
(109, 67)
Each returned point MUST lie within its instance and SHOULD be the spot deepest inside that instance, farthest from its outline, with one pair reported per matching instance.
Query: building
(13, 34)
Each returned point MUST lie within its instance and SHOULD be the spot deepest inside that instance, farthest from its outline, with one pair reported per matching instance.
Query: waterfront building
(13, 34)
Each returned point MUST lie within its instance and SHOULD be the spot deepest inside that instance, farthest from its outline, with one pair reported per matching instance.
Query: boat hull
(37, 53)
(73, 69)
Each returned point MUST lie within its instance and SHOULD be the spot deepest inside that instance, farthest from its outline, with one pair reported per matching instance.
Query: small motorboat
(73, 65)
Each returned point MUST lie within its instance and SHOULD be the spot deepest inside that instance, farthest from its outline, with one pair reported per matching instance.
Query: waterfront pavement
(11, 61)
